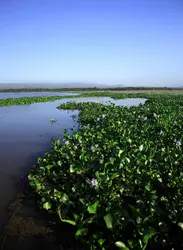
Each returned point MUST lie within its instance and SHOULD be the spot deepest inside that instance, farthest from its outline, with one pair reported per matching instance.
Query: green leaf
(129, 140)
(71, 169)
(120, 152)
(148, 187)
(59, 163)
(135, 212)
(141, 147)
(67, 221)
(47, 205)
(128, 160)
(93, 207)
(81, 232)
(121, 245)
(38, 186)
(180, 224)
(101, 242)
(108, 220)
(64, 198)
(112, 159)
(107, 163)
(148, 234)
(48, 167)
(100, 175)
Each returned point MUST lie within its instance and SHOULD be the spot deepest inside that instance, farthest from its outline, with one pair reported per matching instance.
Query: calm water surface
(31, 94)
(26, 132)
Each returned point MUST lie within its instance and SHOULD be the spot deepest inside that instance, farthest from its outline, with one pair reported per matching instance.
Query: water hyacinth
(101, 161)
(94, 182)
(66, 142)
(178, 143)
(30, 100)
(144, 118)
(125, 181)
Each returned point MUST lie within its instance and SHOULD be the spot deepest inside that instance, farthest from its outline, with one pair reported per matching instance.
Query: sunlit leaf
(121, 245)
(81, 232)
(47, 205)
(141, 147)
(93, 207)
(108, 220)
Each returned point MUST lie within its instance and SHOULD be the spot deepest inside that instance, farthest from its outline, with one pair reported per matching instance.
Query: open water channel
(25, 134)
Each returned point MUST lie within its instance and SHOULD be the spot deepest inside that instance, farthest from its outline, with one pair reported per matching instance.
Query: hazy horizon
(111, 42)
(79, 85)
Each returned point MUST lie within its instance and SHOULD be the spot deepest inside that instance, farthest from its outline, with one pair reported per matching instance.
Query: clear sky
(112, 41)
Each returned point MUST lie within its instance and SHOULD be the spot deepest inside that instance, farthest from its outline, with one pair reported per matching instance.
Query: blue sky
(128, 42)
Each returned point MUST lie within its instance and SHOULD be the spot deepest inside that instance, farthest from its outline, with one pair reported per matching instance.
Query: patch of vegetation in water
(30, 100)
(114, 95)
(119, 179)
(39, 99)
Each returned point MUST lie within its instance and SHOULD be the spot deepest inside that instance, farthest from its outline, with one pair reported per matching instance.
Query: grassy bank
(118, 180)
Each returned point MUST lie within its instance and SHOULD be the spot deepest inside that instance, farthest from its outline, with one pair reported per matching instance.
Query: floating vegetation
(114, 95)
(119, 179)
(53, 120)
(30, 100)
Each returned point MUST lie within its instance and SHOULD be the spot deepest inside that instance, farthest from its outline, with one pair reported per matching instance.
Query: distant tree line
(84, 89)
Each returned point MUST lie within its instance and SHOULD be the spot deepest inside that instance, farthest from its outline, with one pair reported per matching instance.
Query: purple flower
(178, 143)
(66, 142)
(94, 182)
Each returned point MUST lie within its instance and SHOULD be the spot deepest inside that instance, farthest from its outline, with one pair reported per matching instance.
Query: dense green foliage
(119, 179)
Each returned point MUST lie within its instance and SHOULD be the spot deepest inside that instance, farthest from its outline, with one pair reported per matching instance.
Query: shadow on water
(14, 182)
(18, 183)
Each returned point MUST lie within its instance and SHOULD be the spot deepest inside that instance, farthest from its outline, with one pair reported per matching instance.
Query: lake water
(26, 132)
(31, 94)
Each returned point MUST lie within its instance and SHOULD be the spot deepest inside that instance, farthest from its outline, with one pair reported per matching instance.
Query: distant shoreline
(86, 89)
